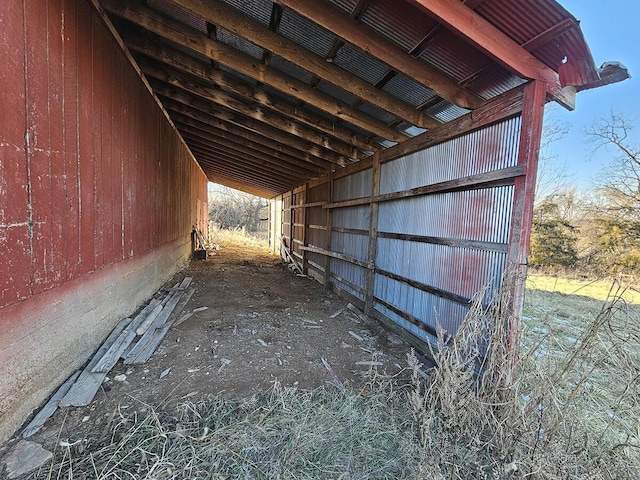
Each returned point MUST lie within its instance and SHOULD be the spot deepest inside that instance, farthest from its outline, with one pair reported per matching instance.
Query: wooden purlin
(226, 17)
(486, 37)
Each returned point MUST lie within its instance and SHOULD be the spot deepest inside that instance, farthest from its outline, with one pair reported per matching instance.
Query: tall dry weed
(485, 415)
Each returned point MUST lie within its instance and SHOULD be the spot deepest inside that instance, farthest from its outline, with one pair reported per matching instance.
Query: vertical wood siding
(91, 171)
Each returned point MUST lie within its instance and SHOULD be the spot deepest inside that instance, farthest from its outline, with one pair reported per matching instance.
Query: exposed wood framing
(226, 17)
(221, 98)
(373, 235)
(257, 120)
(327, 260)
(369, 41)
(201, 110)
(181, 62)
(524, 192)
(219, 52)
(486, 37)
(232, 132)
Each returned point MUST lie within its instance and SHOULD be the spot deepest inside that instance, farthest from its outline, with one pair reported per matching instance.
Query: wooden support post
(373, 235)
(522, 209)
(292, 216)
(305, 230)
(327, 260)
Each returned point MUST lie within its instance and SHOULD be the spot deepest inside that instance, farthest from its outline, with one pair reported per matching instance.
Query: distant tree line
(596, 234)
(231, 209)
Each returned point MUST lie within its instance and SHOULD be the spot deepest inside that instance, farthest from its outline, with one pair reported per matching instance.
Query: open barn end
(397, 140)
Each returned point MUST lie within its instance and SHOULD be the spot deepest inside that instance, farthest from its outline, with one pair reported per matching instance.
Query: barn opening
(397, 142)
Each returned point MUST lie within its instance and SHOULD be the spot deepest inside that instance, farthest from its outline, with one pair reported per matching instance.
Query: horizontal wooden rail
(504, 176)
(339, 256)
(453, 297)
(406, 316)
(450, 242)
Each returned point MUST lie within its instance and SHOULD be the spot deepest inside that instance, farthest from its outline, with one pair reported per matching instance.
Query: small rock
(25, 457)
(262, 342)
(86, 418)
(120, 378)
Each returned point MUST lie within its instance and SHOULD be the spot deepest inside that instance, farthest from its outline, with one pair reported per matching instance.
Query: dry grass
(568, 408)
(596, 289)
(238, 237)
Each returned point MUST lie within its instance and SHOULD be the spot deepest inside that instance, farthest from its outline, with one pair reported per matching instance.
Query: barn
(396, 139)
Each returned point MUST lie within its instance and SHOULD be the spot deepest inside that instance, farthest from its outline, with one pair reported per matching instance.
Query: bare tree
(231, 209)
(615, 207)
(552, 176)
(621, 188)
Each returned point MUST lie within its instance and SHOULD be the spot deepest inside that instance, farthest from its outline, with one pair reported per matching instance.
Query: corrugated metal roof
(350, 119)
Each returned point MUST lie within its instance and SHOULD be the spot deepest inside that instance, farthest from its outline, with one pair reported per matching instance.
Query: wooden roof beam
(231, 164)
(367, 40)
(277, 159)
(240, 149)
(244, 164)
(182, 62)
(219, 97)
(218, 13)
(466, 23)
(262, 128)
(199, 42)
(237, 134)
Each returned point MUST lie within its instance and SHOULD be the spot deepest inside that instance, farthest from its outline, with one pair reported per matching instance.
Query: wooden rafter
(274, 159)
(243, 163)
(236, 60)
(230, 19)
(179, 61)
(232, 123)
(234, 133)
(214, 158)
(217, 96)
(367, 40)
(192, 102)
(486, 37)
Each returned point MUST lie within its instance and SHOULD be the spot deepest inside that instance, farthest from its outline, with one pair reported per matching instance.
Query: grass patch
(596, 289)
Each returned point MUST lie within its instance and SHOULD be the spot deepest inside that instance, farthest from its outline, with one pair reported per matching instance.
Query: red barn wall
(98, 195)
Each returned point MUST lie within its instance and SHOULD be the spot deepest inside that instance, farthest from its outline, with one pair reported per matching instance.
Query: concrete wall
(98, 195)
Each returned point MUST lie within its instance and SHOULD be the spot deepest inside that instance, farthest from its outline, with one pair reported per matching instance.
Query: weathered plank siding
(98, 195)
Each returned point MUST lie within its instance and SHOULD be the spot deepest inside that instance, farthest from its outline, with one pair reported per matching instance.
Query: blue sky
(611, 31)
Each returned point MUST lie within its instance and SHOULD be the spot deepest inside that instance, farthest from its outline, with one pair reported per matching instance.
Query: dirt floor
(262, 324)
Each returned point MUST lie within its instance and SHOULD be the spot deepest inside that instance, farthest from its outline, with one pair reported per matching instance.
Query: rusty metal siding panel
(477, 152)
(439, 215)
(14, 203)
(446, 264)
(354, 186)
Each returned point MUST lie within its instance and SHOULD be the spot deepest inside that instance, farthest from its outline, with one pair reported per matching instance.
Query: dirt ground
(262, 324)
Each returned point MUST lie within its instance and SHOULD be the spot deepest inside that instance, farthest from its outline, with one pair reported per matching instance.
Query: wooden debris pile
(132, 340)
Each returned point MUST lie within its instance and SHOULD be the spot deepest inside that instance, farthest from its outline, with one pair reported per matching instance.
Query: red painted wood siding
(91, 172)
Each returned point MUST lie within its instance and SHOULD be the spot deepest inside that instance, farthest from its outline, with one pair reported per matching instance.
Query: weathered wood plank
(88, 383)
(339, 256)
(450, 242)
(50, 407)
(503, 176)
(152, 337)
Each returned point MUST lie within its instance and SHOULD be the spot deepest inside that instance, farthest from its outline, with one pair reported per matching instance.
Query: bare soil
(262, 324)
